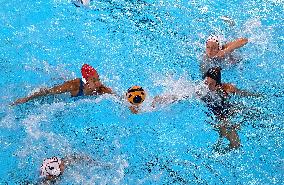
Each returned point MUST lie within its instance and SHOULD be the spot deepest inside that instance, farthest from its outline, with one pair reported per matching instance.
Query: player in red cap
(89, 84)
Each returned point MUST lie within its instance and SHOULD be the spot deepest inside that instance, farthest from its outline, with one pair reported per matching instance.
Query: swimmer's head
(213, 77)
(51, 168)
(213, 45)
(89, 72)
(90, 76)
(136, 95)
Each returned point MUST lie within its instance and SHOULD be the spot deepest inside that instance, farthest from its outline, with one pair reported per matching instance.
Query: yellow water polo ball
(136, 95)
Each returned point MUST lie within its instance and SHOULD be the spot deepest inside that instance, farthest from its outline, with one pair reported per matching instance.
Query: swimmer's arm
(164, 100)
(235, 44)
(231, 89)
(42, 92)
(231, 46)
(68, 86)
(81, 158)
(73, 159)
(247, 93)
(106, 90)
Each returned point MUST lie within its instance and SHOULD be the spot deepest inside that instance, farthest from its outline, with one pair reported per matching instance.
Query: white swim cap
(214, 38)
(50, 166)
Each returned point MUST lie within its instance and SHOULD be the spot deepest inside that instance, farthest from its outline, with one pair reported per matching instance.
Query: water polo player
(219, 55)
(89, 84)
(52, 168)
(217, 102)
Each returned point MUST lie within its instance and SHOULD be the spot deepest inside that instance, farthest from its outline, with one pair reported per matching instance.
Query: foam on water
(153, 44)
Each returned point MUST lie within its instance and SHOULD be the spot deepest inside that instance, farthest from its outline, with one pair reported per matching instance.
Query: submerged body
(217, 101)
(216, 96)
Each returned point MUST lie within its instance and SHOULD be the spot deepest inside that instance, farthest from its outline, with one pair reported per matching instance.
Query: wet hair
(215, 74)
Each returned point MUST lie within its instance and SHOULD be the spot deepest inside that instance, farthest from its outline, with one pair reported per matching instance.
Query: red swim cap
(88, 71)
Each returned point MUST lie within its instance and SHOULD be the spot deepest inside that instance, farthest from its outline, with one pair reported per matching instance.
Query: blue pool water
(155, 44)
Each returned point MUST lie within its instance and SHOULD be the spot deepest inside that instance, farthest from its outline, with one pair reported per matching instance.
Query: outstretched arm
(247, 93)
(231, 46)
(231, 89)
(69, 86)
(165, 99)
(105, 90)
(42, 92)
(82, 158)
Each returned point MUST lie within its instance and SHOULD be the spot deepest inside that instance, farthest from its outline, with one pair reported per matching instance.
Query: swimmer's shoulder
(229, 88)
(75, 81)
(71, 85)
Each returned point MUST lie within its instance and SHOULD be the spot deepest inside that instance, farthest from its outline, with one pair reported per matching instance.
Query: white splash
(37, 139)
(8, 121)
(120, 171)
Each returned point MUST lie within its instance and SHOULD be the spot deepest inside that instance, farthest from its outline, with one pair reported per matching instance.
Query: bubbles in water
(120, 36)
(8, 120)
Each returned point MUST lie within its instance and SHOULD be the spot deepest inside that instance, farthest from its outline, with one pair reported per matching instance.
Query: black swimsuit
(81, 89)
(216, 102)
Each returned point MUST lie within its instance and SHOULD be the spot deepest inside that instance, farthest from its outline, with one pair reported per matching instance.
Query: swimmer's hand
(249, 94)
(134, 109)
(105, 90)
(19, 101)
(42, 92)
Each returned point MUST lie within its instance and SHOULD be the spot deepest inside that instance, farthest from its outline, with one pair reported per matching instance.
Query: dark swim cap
(215, 74)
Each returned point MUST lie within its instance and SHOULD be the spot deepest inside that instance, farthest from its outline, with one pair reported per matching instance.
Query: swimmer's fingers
(257, 95)
(271, 95)
(19, 101)
(260, 95)
(102, 164)
(247, 93)
(133, 109)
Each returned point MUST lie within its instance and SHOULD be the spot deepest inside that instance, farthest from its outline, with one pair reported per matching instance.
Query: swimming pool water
(155, 44)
